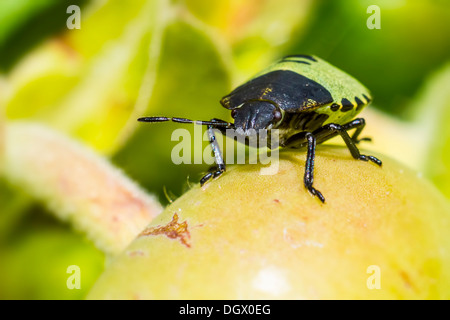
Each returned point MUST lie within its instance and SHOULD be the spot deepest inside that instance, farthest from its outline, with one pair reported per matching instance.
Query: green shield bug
(307, 99)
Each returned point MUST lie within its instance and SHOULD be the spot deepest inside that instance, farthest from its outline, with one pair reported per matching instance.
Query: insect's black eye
(233, 113)
(277, 115)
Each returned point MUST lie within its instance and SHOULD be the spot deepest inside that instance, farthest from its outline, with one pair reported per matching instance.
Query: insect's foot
(317, 193)
(205, 178)
(217, 174)
(212, 174)
(370, 158)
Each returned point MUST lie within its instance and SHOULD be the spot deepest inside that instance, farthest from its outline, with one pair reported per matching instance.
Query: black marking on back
(296, 61)
(359, 104)
(291, 91)
(300, 56)
(334, 107)
(367, 98)
(346, 105)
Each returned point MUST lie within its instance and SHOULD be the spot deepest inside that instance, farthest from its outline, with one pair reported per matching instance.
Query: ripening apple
(382, 233)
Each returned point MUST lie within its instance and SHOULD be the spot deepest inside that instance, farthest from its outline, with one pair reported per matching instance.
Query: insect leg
(308, 178)
(221, 125)
(332, 129)
(218, 157)
(359, 124)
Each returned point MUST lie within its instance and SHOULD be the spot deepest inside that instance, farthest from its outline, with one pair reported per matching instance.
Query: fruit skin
(252, 236)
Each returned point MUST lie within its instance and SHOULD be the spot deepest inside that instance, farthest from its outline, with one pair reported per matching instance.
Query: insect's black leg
(205, 178)
(330, 130)
(359, 124)
(308, 178)
(220, 165)
(221, 125)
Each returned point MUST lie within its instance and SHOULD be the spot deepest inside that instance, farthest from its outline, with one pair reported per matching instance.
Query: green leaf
(35, 260)
(431, 112)
(94, 88)
(13, 204)
(26, 23)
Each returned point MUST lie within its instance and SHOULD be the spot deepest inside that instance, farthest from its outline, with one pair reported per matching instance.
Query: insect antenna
(214, 122)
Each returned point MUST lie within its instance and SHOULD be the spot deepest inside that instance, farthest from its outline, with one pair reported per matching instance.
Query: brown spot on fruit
(251, 247)
(136, 253)
(172, 230)
(406, 279)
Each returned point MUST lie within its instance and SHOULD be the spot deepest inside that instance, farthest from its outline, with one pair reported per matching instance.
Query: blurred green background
(178, 58)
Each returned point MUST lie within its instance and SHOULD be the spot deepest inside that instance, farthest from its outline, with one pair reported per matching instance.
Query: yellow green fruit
(382, 233)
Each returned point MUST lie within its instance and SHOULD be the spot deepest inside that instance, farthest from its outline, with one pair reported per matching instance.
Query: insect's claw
(371, 158)
(316, 193)
(217, 174)
(205, 178)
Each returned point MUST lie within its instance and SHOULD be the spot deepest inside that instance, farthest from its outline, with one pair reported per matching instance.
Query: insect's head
(255, 115)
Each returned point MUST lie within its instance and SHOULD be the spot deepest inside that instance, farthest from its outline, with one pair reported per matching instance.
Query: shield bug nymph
(307, 99)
